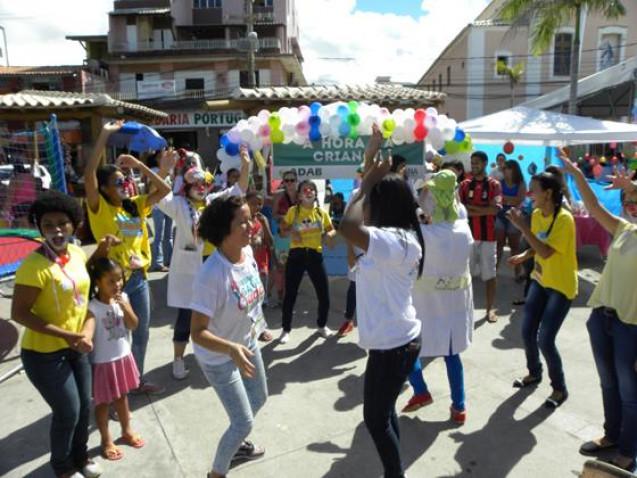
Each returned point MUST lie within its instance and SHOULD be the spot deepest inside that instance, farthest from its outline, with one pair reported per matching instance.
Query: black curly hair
(216, 220)
(56, 201)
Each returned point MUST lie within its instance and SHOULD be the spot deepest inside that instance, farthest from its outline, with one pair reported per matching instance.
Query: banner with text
(338, 158)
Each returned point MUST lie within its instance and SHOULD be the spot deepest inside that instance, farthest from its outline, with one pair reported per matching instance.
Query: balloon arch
(341, 120)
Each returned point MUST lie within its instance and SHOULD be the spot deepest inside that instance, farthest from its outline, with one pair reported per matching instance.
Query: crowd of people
(230, 250)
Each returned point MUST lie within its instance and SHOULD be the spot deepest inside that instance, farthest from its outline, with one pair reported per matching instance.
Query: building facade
(467, 69)
(176, 54)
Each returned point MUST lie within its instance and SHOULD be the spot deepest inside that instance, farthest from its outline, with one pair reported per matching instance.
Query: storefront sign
(155, 89)
(338, 158)
(199, 119)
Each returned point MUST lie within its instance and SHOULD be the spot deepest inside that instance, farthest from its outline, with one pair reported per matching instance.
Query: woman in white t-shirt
(388, 327)
(227, 318)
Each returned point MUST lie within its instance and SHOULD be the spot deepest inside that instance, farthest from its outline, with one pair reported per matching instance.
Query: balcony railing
(124, 4)
(220, 44)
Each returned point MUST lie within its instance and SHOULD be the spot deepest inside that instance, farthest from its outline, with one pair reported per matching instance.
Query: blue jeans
(163, 229)
(385, 374)
(455, 375)
(63, 379)
(544, 313)
(614, 346)
(242, 398)
(139, 295)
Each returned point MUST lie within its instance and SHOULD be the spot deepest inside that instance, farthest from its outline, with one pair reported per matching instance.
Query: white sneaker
(92, 469)
(325, 332)
(77, 474)
(284, 338)
(179, 369)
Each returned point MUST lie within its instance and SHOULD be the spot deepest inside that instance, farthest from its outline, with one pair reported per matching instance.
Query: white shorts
(484, 258)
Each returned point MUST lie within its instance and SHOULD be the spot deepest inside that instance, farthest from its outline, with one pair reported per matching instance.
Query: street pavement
(312, 423)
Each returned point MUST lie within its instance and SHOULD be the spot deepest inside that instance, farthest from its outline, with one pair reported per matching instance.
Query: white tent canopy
(544, 128)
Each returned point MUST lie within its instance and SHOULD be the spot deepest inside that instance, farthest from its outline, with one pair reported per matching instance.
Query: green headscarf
(442, 186)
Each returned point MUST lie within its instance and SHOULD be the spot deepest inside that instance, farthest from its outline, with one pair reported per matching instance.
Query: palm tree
(548, 15)
(514, 73)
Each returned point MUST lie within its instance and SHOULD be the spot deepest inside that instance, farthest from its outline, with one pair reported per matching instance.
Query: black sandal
(527, 381)
(593, 447)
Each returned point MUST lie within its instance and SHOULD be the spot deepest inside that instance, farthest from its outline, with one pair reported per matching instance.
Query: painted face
(115, 189)
(57, 229)
(111, 283)
(197, 191)
(308, 195)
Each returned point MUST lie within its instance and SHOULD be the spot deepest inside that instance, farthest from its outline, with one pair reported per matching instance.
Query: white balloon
(288, 130)
(409, 124)
(230, 162)
(448, 133)
(324, 114)
(324, 129)
(298, 139)
(242, 124)
(222, 155)
(263, 116)
(431, 122)
(399, 135)
(256, 144)
(410, 112)
(335, 121)
(436, 139)
(247, 135)
(431, 111)
(398, 114)
(287, 139)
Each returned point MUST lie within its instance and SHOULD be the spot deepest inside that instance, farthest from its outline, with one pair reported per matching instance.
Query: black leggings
(299, 261)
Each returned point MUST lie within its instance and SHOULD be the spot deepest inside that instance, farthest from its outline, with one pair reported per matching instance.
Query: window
(195, 84)
(244, 81)
(448, 76)
(501, 59)
(139, 77)
(207, 4)
(440, 81)
(263, 3)
(562, 54)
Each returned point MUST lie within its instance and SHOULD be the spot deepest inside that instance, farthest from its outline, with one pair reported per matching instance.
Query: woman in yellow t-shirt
(306, 224)
(50, 301)
(612, 326)
(112, 211)
(554, 281)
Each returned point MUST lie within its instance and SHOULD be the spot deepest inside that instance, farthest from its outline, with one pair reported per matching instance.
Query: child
(261, 241)
(114, 370)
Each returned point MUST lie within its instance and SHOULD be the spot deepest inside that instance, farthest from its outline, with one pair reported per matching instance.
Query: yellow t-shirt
(56, 303)
(134, 251)
(311, 224)
(558, 272)
(616, 287)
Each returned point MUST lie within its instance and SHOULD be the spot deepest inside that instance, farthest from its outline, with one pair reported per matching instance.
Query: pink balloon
(304, 112)
(234, 136)
(264, 131)
(302, 128)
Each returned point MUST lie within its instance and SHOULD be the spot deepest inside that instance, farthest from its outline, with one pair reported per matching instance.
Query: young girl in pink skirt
(114, 370)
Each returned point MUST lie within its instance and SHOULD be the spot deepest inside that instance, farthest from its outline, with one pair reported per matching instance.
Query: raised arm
(352, 227)
(244, 177)
(607, 220)
(373, 146)
(90, 172)
(162, 188)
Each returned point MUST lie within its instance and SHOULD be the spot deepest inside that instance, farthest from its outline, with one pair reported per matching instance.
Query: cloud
(331, 31)
(36, 29)
(381, 44)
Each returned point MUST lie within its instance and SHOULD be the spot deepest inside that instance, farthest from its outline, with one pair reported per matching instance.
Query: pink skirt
(112, 380)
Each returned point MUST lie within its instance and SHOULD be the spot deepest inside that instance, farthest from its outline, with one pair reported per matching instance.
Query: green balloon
(274, 121)
(276, 136)
(389, 125)
(466, 146)
(452, 147)
(354, 119)
(353, 106)
(353, 133)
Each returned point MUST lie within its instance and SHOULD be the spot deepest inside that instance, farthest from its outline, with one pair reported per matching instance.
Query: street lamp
(6, 46)
(253, 47)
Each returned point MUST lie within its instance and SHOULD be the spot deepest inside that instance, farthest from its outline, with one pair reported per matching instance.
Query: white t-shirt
(110, 341)
(385, 276)
(231, 295)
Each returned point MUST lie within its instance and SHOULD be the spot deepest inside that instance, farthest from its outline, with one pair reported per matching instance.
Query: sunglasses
(289, 180)
(119, 182)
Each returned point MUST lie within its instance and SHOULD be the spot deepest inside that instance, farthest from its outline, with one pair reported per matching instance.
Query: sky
(343, 41)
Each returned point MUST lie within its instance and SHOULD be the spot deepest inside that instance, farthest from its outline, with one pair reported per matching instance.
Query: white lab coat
(187, 253)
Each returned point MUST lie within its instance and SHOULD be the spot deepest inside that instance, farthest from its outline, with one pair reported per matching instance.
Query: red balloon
(419, 115)
(508, 147)
(420, 132)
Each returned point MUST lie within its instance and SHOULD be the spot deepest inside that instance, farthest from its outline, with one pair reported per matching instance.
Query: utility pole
(6, 46)
(253, 44)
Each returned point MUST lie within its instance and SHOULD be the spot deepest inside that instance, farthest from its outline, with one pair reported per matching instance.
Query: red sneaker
(346, 328)
(418, 401)
(458, 416)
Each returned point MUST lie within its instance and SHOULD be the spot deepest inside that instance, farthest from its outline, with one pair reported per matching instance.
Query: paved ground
(312, 423)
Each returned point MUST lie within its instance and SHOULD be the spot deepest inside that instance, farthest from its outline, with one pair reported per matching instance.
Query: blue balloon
(315, 135)
(232, 149)
(314, 121)
(342, 111)
(224, 140)
(460, 135)
(442, 152)
(315, 107)
(344, 129)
